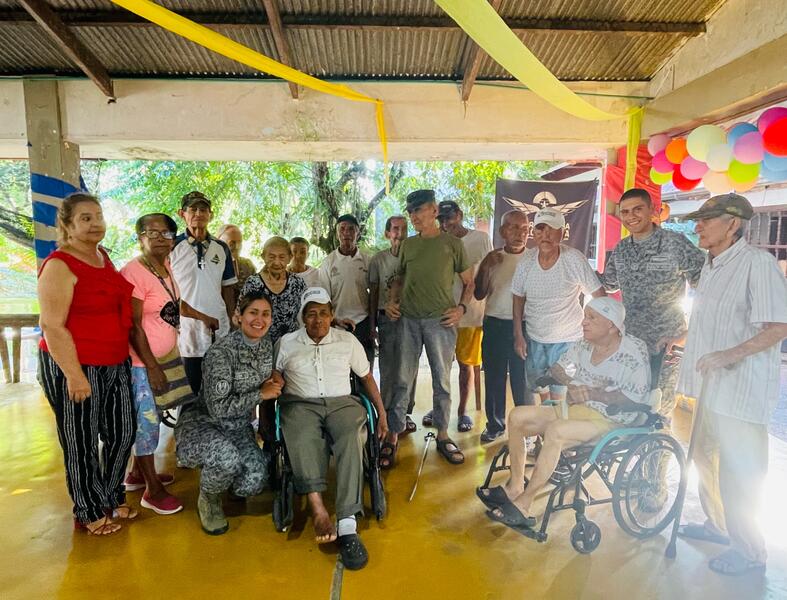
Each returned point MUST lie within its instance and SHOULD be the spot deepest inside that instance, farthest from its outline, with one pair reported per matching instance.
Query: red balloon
(683, 184)
(775, 137)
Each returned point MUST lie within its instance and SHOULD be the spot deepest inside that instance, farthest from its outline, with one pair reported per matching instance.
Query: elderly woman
(155, 305)
(83, 364)
(283, 288)
(215, 432)
(608, 378)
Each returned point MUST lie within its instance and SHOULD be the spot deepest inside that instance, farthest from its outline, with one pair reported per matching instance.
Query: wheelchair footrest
(534, 534)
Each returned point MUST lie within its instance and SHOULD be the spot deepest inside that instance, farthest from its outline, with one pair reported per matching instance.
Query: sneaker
(168, 505)
(487, 436)
(134, 483)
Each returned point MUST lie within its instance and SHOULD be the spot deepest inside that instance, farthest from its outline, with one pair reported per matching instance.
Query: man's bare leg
(524, 421)
(324, 529)
(477, 384)
(465, 380)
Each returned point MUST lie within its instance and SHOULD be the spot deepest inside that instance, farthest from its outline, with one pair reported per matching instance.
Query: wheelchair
(283, 480)
(642, 468)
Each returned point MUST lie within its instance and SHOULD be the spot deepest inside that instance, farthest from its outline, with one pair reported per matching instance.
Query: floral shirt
(286, 304)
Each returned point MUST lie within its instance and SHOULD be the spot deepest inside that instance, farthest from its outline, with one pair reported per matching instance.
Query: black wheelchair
(283, 484)
(642, 469)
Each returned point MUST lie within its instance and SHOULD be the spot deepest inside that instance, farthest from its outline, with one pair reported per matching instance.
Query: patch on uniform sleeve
(221, 387)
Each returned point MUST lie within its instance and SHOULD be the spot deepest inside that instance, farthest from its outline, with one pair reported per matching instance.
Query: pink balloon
(769, 116)
(748, 149)
(657, 143)
(661, 163)
(691, 168)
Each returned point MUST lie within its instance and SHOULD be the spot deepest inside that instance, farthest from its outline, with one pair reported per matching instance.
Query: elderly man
(244, 268)
(320, 417)
(609, 368)
(469, 333)
(203, 269)
(422, 297)
(731, 366)
(651, 268)
(501, 363)
(345, 275)
(546, 286)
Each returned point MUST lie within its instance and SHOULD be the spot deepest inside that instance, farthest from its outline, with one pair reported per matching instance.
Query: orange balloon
(665, 212)
(676, 151)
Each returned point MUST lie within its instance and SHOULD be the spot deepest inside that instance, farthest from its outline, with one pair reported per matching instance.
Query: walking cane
(671, 550)
(427, 438)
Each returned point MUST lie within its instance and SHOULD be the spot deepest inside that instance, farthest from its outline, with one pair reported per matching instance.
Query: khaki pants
(315, 427)
(731, 457)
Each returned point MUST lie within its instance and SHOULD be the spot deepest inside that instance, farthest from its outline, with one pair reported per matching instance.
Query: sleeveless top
(99, 318)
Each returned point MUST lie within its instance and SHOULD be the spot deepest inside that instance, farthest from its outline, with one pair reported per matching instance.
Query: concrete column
(54, 162)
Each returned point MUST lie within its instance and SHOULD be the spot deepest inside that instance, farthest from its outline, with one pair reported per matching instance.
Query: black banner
(576, 200)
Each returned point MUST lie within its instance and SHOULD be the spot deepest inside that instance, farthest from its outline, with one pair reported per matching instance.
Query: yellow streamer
(226, 47)
(632, 147)
(482, 23)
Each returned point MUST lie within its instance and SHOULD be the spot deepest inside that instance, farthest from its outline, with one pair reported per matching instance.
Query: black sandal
(511, 517)
(388, 454)
(352, 551)
(455, 457)
(496, 496)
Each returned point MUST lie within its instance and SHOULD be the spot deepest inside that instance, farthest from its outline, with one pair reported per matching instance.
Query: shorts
(468, 345)
(580, 412)
(540, 357)
(148, 419)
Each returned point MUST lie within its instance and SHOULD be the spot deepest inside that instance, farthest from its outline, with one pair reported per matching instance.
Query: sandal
(428, 420)
(124, 511)
(352, 551)
(510, 516)
(104, 526)
(454, 456)
(495, 497)
(388, 454)
(733, 562)
(465, 424)
(409, 426)
(698, 531)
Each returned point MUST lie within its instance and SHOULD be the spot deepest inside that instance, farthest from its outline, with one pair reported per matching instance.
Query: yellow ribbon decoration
(226, 47)
(632, 147)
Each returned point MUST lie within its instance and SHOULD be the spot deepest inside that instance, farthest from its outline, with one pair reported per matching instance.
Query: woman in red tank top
(84, 365)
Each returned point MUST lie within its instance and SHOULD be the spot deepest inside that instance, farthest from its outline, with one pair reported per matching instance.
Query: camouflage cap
(731, 204)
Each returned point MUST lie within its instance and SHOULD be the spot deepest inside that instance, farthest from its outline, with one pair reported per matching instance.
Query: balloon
(717, 183)
(742, 173)
(657, 143)
(774, 163)
(683, 184)
(660, 178)
(662, 164)
(775, 137)
(748, 148)
(691, 168)
(770, 116)
(719, 157)
(665, 211)
(676, 151)
(744, 187)
(737, 131)
(703, 138)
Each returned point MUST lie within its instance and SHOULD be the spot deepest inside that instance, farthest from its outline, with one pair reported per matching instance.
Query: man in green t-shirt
(422, 297)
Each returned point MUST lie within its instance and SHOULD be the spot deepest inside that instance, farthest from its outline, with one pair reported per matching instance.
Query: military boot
(211, 514)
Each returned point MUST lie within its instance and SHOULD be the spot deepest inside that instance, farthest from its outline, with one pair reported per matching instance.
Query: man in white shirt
(731, 366)
(203, 270)
(469, 332)
(345, 275)
(501, 362)
(319, 417)
(547, 285)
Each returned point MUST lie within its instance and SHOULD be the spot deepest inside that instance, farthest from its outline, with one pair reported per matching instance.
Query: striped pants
(95, 483)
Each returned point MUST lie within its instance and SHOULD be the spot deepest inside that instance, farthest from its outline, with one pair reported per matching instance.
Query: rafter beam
(282, 47)
(473, 63)
(70, 44)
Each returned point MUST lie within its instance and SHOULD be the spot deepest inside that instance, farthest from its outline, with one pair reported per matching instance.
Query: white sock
(346, 526)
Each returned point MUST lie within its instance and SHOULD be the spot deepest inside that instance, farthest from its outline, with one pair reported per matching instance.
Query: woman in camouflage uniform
(215, 432)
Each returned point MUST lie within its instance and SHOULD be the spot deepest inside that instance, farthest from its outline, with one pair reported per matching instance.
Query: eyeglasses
(154, 235)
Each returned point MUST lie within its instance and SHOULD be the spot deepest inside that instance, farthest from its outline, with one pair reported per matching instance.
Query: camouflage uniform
(652, 275)
(215, 432)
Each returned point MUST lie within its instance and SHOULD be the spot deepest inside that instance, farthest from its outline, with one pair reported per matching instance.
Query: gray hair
(509, 214)
(742, 227)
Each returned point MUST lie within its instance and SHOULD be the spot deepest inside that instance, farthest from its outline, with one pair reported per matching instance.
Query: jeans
(389, 333)
(501, 362)
(440, 343)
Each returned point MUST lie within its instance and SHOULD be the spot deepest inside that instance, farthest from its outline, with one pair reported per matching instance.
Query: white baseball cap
(550, 216)
(611, 309)
(315, 294)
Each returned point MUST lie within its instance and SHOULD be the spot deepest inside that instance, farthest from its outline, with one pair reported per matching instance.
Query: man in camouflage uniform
(651, 267)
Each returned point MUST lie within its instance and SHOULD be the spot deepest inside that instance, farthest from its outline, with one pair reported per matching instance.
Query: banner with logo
(576, 200)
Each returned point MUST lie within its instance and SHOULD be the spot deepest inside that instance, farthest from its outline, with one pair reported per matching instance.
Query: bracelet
(464, 307)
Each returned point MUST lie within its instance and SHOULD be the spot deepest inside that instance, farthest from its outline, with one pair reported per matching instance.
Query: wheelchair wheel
(585, 536)
(284, 493)
(645, 490)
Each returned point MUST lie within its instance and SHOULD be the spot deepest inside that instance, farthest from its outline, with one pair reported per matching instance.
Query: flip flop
(455, 457)
(388, 454)
(511, 517)
(465, 424)
(496, 496)
(428, 420)
(409, 425)
(698, 531)
(734, 563)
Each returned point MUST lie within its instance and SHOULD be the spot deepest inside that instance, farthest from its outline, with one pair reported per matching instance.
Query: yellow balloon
(660, 178)
(703, 138)
(716, 183)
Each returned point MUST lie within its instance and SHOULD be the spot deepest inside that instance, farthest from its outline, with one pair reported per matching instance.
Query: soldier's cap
(550, 216)
(315, 294)
(726, 204)
(348, 218)
(193, 198)
(418, 198)
(446, 208)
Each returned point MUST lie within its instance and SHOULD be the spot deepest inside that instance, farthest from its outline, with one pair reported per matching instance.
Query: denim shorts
(540, 357)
